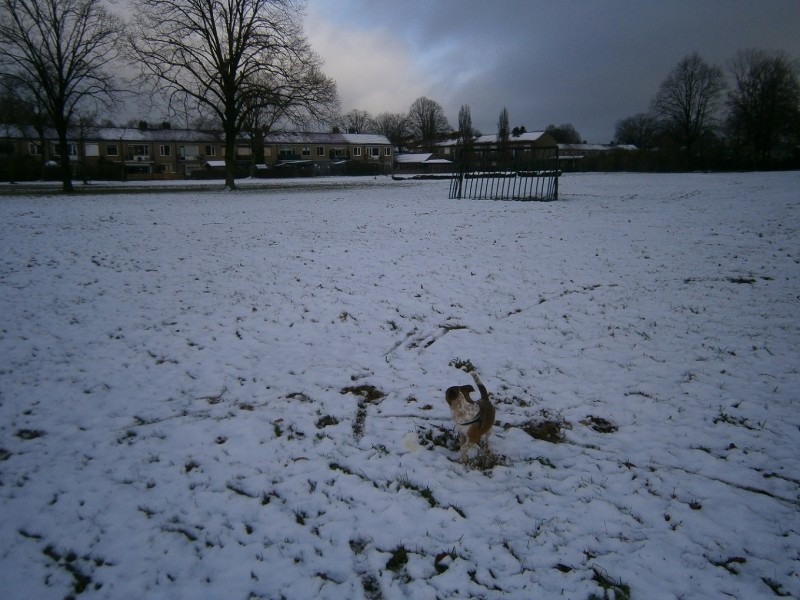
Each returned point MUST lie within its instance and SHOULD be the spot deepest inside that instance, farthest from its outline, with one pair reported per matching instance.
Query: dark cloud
(587, 62)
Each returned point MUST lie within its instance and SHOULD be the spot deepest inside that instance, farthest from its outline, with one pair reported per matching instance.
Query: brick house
(166, 153)
(489, 145)
(328, 153)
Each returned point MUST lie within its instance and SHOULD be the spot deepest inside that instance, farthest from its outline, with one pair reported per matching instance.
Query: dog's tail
(486, 412)
(481, 387)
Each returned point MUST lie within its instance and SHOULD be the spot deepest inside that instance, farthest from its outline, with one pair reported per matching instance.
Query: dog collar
(477, 419)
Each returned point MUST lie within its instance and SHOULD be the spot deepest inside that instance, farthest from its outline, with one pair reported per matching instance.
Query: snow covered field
(241, 395)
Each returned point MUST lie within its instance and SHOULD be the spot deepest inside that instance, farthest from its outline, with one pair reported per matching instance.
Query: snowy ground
(240, 395)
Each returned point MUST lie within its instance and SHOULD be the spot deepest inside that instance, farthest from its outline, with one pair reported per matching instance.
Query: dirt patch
(29, 434)
(599, 424)
(369, 394)
(438, 436)
(548, 428)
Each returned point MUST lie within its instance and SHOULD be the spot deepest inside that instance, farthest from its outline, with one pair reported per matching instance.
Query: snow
(491, 138)
(175, 420)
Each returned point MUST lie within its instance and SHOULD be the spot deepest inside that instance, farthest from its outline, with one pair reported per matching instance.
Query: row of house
(518, 145)
(166, 153)
(526, 147)
(485, 148)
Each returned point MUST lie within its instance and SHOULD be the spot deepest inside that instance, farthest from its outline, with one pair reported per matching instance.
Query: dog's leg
(463, 443)
(487, 449)
(466, 444)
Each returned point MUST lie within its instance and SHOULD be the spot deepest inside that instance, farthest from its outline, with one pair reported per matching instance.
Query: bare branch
(58, 52)
(244, 61)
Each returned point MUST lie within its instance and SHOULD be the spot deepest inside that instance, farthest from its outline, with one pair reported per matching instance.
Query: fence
(522, 173)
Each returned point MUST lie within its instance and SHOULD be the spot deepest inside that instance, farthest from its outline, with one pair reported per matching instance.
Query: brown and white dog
(474, 420)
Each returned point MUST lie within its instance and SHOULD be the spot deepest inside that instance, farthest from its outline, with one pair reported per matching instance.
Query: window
(111, 150)
(165, 150)
(306, 151)
(72, 150)
(357, 151)
(211, 150)
(285, 152)
(34, 149)
(387, 151)
(243, 150)
(188, 152)
(320, 150)
(91, 149)
(375, 151)
(138, 152)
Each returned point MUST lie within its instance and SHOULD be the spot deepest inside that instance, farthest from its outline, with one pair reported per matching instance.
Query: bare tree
(357, 121)
(466, 135)
(764, 103)
(427, 121)
(564, 133)
(639, 130)
(394, 126)
(232, 58)
(503, 133)
(687, 102)
(57, 52)
(465, 130)
(503, 127)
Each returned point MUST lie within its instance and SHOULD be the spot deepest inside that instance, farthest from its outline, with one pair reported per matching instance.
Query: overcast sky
(585, 62)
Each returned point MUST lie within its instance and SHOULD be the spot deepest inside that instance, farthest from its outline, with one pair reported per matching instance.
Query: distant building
(575, 157)
(165, 153)
(329, 153)
(421, 163)
(489, 147)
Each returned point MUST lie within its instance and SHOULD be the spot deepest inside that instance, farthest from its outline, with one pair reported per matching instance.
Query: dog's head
(458, 391)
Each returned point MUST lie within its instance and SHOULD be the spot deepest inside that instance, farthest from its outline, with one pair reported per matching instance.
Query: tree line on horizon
(698, 118)
(246, 66)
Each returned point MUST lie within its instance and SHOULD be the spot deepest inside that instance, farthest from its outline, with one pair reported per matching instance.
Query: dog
(474, 420)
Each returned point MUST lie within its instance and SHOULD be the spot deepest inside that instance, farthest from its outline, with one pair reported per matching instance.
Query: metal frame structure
(521, 173)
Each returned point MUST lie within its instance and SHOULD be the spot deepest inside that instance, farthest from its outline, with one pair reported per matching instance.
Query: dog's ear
(465, 392)
(452, 393)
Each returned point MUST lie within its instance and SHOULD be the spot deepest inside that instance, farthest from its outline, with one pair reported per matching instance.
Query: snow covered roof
(365, 138)
(130, 134)
(306, 137)
(492, 138)
(420, 158)
(595, 147)
(115, 134)
(133, 134)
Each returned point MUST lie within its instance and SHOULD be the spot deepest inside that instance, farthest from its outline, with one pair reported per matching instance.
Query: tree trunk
(230, 157)
(230, 166)
(63, 149)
